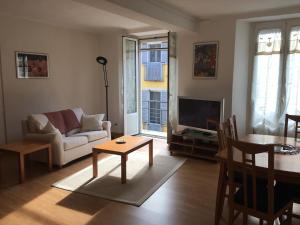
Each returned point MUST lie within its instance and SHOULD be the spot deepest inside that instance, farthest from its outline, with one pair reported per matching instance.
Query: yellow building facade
(155, 86)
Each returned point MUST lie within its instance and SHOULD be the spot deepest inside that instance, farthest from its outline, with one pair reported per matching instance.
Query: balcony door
(154, 85)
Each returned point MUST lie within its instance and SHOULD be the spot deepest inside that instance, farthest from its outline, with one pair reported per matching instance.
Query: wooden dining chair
(233, 127)
(296, 119)
(251, 199)
(224, 130)
(293, 189)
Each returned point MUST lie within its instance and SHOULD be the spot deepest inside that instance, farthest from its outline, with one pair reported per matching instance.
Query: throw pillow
(56, 118)
(49, 128)
(78, 112)
(37, 122)
(70, 119)
(92, 122)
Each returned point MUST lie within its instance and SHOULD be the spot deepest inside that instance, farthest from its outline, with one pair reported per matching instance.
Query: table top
(24, 147)
(132, 144)
(285, 166)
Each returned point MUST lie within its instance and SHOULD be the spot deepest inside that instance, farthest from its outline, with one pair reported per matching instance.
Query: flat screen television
(200, 114)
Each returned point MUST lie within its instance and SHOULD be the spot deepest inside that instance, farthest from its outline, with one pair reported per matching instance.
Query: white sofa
(66, 147)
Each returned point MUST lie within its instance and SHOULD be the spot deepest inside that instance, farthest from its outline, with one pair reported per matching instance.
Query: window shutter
(163, 107)
(164, 117)
(144, 57)
(164, 56)
(145, 115)
(154, 72)
(145, 105)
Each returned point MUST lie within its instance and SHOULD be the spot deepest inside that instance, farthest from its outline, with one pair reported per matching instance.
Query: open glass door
(131, 88)
(172, 85)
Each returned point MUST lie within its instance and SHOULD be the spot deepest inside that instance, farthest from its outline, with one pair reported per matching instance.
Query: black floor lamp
(103, 61)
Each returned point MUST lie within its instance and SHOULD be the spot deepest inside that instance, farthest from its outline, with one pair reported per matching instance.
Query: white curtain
(270, 99)
(292, 84)
(266, 82)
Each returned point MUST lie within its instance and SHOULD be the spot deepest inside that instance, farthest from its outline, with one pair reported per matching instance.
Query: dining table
(286, 166)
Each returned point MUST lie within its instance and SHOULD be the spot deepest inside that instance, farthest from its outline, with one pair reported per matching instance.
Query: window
(276, 78)
(155, 55)
(155, 107)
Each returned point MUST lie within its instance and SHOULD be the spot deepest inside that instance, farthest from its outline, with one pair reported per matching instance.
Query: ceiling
(94, 17)
(67, 13)
(210, 8)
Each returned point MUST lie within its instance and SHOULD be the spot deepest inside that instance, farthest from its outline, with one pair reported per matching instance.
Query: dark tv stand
(194, 143)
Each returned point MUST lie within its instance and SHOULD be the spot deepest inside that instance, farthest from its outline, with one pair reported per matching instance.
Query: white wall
(74, 73)
(240, 87)
(223, 32)
(2, 117)
(111, 48)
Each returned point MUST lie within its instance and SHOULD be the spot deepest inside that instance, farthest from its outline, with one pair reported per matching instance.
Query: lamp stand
(106, 89)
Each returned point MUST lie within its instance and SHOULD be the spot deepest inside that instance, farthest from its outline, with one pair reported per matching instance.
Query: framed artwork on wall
(32, 65)
(205, 60)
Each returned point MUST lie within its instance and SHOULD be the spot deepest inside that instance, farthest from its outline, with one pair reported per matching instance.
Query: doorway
(153, 76)
(145, 70)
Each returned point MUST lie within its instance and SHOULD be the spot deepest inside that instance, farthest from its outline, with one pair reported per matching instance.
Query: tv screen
(204, 114)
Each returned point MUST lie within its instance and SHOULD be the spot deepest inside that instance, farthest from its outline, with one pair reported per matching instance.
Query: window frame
(285, 26)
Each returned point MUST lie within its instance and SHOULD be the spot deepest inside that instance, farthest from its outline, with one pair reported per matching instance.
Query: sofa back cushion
(70, 119)
(78, 113)
(36, 122)
(57, 119)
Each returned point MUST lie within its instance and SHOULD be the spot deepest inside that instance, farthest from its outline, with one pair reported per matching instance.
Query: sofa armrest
(56, 141)
(107, 126)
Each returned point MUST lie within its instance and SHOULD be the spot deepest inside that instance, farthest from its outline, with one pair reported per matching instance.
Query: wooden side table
(23, 148)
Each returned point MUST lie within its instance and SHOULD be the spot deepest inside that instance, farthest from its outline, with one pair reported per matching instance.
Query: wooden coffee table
(111, 147)
(23, 148)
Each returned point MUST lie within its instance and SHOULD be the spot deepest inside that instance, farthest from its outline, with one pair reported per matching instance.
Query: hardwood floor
(187, 198)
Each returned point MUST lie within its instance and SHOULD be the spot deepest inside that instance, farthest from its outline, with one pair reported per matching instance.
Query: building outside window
(154, 68)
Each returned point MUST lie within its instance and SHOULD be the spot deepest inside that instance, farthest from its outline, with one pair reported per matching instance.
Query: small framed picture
(32, 65)
(205, 60)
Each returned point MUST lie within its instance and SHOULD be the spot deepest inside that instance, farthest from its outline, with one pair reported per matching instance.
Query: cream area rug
(142, 180)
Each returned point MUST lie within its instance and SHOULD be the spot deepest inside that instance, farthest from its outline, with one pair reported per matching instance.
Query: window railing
(155, 113)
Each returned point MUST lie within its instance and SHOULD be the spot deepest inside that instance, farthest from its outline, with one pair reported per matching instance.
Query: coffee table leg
(50, 158)
(95, 163)
(151, 153)
(21, 168)
(123, 168)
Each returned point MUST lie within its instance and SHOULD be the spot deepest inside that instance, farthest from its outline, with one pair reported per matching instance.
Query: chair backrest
(222, 137)
(296, 119)
(246, 166)
(225, 130)
(233, 129)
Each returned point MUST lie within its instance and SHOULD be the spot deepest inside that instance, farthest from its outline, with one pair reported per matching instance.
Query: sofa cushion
(92, 135)
(70, 120)
(78, 113)
(72, 132)
(72, 142)
(57, 119)
(49, 128)
(92, 122)
(36, 122)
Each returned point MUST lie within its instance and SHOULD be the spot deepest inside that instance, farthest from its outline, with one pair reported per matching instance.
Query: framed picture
(205, 60)
(32, 65)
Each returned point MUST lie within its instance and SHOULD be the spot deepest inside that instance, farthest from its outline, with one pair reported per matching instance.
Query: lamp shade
(102, 60)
